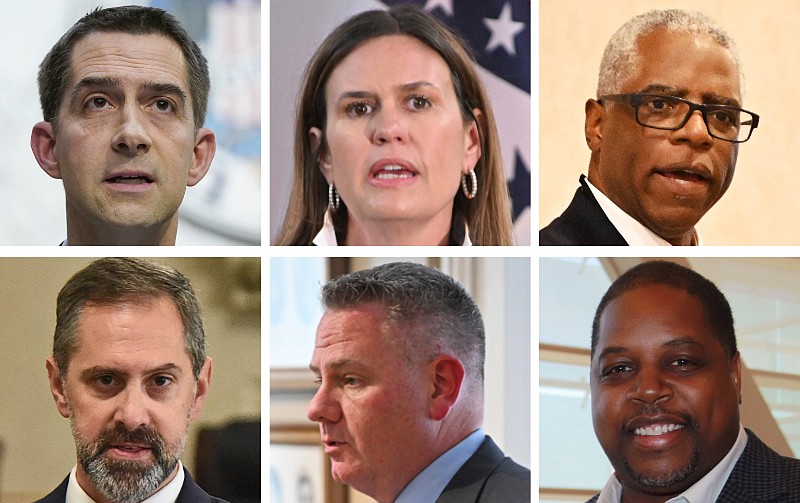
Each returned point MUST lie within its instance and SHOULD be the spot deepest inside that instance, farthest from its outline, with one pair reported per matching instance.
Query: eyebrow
(337, 364)
(616, 350)
(708, 98)
(114, 84)
(102, 369)
(411, 86)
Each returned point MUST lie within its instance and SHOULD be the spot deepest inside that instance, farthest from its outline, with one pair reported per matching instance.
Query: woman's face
(397, 144)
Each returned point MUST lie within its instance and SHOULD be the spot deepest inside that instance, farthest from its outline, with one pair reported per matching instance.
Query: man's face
(664, 393)
(370, 406)
(125, 145)
(667, 180)
(130, 395)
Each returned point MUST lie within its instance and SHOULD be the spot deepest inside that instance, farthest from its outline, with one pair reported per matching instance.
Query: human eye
(105, 380)
(419, 102)
(162, 381)
(617, 370)
(351, 381)
(359, 109)
(163, 105)
(683, 363)
(725, 116)
(97, 103)
(659, 104)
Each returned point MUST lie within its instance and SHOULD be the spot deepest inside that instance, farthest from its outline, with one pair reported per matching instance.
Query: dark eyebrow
(95, 82)
(164, 88)
(102, 369)
(616, 350)
(411, 86)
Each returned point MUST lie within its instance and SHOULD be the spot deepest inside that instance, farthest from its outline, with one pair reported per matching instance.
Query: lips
(130, 178)
(391, 172)
(688, 172)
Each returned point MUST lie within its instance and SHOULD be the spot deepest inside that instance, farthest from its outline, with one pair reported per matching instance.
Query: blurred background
(501, 287)
(37, 450)
(765, 302)
(225, 207)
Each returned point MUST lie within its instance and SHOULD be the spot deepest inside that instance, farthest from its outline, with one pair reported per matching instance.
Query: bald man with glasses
(664, 134)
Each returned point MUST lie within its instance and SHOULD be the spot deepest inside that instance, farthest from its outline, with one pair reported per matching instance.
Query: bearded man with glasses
(664, 133)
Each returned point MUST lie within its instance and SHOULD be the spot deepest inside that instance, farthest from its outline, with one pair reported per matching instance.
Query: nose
(131, 138)
(132, 410)
(324, 407)
(694, 131)
(650, 386)
(388, 126)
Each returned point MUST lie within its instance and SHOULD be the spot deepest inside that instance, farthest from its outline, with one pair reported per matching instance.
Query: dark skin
(667, 180)
(665, 394)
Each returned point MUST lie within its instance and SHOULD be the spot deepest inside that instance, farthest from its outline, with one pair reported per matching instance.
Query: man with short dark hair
(130, 372)
(124, 95)
(399, 359)
(664, 134)
(666, 388)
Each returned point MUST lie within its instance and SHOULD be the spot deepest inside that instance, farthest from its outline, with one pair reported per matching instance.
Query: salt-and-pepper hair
(621, 57)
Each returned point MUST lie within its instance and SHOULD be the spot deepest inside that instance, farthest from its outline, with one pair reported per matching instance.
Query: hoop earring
(333, 198)
(470, 194)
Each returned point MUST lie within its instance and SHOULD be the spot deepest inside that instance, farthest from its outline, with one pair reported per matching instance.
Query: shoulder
(582, 223)
(494, 477)
(59, 494)
(762, 473)
(192, 493)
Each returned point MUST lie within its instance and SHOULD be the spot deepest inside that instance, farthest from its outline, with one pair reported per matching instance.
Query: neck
(80, 232)
(432, 232)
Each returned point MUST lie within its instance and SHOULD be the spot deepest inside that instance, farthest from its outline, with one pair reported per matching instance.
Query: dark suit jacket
(488, 477)
(190, 493)
(583, 223)
(760, 475)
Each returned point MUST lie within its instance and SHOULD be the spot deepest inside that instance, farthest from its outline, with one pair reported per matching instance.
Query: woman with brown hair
(395, 140)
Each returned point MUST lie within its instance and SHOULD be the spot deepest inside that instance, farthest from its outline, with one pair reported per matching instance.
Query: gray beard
(126, 481)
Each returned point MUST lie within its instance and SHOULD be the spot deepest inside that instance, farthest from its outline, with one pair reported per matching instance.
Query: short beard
(670, 478)
(122, 480)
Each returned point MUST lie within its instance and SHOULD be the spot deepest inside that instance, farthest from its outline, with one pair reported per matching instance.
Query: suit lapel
(467, 484)
(756, 476)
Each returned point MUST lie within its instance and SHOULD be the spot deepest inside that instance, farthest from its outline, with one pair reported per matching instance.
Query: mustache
(656, 410)
(119, 434)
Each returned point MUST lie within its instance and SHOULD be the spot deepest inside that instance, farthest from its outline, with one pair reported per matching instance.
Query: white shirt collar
(167, 494)
(327, 235)
(430, 482)
(706, 489)
(631, 229)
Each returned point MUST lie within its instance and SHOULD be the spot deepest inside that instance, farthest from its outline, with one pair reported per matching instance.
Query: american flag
(499, 32)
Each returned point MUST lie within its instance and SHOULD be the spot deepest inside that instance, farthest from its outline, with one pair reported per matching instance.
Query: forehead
(353, 334)
(130, 334)
(389, 61)
(649, 316)
(691, 61)
(134, 58)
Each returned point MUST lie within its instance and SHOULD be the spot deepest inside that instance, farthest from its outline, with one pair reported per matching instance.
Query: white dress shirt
(631, 229)
(167, 494)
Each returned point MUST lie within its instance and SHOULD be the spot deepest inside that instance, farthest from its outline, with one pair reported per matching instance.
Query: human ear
(57, 386)
(447, 375)
(201, 388)
(323, 158)
(205, 146)
(596, 116)
(43, 144)
(736, 374)
(472, 141)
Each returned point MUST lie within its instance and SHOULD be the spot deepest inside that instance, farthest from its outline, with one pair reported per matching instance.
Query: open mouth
(684, 175)
(393, 172)
(130, 179)
(656, 429)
